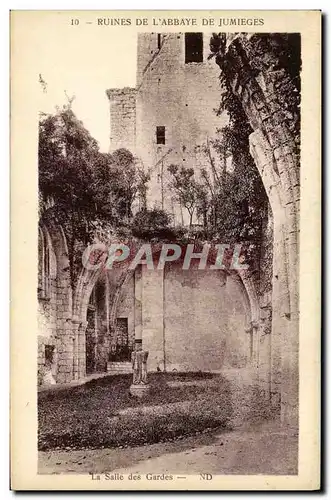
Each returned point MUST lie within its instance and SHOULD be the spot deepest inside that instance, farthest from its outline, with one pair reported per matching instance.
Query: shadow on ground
(100, 427)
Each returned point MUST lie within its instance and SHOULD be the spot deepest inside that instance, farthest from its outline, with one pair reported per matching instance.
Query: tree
(273, 61)
(152, 224)
(129, 182)
(186, 188)
(93, 192)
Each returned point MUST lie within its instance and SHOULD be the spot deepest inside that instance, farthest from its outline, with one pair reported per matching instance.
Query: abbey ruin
(240, 323)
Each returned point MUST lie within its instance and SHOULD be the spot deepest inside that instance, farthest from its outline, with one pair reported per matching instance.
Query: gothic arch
(88, 279)
(55, 297)
(275, 153)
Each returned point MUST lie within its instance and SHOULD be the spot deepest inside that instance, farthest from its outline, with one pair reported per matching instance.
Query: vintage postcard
(165, 250)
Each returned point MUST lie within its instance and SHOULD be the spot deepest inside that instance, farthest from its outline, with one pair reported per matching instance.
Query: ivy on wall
(92, 192)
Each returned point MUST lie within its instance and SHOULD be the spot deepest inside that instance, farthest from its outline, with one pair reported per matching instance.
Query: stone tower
(170, 115)
(122, 118)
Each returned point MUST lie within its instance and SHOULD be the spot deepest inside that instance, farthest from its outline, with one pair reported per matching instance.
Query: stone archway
(59, 300)
(249, 297)
(275, 153)
(87, 281)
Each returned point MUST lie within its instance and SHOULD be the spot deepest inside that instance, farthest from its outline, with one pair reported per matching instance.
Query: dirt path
(266, 450)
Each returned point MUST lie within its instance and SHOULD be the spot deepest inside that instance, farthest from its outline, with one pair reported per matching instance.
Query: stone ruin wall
(122, 104)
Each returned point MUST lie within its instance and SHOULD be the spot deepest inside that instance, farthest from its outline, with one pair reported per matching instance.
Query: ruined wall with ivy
(269, 99)
(55, 340)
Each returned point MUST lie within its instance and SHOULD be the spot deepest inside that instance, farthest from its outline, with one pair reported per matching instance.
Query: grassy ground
(103, 414)
(263, 449)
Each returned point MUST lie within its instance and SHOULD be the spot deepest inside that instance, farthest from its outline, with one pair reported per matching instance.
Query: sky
(85, 66)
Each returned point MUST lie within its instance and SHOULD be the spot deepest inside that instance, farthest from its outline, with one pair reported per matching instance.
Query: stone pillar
(285, 320)
(65, 357)
(280, 310)
(265, 345)
(138, 286)
(82, 350)
(256, 346)
(76, 325)
(55, 361)
(153, 316)
(252, 368)
(64, 330)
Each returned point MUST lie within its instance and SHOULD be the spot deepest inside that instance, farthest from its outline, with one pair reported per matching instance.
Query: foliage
(277, 57)
(231, 202)
(152, 224)
(186, 188)
(239, 201)
(128, 181)
(93, 192)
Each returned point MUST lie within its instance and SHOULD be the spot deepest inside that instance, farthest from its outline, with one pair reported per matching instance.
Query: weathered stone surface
(229, 326)
(274, 151)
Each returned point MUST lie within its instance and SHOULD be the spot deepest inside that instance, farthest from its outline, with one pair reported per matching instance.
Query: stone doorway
(121, 351)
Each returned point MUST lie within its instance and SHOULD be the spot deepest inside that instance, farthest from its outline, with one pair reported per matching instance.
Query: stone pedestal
(139, 386)
(139, 390)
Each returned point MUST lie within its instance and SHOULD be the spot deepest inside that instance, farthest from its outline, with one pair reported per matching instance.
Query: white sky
(85, 66)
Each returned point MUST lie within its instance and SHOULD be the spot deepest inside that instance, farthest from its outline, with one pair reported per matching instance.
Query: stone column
(82, 350)
(285, 320)
(265, 345)
(276, 156)
(256, 346)
(138, 303)
(65, 352)
(153, 316)
(76, 325)
(64, 330)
